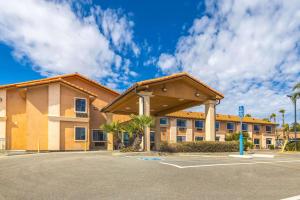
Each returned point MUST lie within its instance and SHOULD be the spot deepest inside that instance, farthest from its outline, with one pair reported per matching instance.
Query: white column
(210, 120)
(144, 109)
(189, 130)
(2, 119)
(54, 110)
(173, 130)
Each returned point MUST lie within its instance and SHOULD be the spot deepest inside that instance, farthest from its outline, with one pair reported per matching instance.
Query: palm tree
(296, 87)
(137, 126)
(294, 98)
(273, 116)
(282, 111)
(116, 128)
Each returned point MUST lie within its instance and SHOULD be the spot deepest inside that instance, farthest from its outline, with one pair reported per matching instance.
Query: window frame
(256, 139)
(164, 124)
(180, 136)
(247, 127)
(181, 126)
(198, 128)
(85, 108)
(232, 128)
(256, 131)
(98, 140)
(196, 136)
(85, 133)
(270, 129)
(217, 122)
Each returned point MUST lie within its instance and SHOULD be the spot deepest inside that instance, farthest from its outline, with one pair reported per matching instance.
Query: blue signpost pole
(241, 114)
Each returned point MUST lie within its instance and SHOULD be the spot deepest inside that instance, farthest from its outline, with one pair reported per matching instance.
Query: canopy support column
(110, 136)
(144, 109)
(210, 120)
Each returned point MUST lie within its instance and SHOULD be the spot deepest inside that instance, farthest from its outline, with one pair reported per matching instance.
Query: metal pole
(241, 139)
(295, 132)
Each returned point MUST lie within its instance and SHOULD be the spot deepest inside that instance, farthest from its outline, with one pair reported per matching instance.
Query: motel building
(65, 113)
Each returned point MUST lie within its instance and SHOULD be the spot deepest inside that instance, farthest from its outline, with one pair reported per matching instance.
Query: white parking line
(229, 164)
(293, 198)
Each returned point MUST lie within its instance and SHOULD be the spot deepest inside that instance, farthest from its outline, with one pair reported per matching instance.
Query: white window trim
(75, 133)
(270, 130)
(167, 124)
(199, 136)
(182, 126)
(258, 128)
(230, 129)
(85, 109)
(198, 127)
(93, 135)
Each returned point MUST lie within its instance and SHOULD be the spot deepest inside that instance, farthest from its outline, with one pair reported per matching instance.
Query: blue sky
(248, 50)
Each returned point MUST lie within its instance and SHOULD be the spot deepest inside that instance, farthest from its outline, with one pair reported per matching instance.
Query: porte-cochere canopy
(167, 94)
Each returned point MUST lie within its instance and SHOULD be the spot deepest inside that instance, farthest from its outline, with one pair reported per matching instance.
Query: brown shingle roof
(219, 117)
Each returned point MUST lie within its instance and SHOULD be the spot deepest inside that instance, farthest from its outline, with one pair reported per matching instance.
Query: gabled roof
(61, 79)
(219, 117)
(162, 80)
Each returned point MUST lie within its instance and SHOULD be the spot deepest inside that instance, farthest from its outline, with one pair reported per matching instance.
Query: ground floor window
(152, 136)
(80, 133)
(256, 141)
(199, 138)
(181, 139)
(126, 139)
(217, 138)
(269, 141)
(98, 135)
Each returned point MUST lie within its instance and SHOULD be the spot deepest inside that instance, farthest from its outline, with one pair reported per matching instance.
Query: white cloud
(248, 49)
(58, 37)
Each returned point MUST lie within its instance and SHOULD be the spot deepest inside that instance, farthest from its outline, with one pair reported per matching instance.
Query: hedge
(291, 146)
(201, 146)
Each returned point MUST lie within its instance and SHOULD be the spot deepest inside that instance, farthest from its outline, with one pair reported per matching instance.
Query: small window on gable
(80, 105)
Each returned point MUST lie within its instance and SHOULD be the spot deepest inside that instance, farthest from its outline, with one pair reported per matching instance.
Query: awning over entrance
(168, 94)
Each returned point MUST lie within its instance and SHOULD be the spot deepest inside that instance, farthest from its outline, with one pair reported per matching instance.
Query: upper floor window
(80, 105)
(98, 136)
(181, 123)
(244, 127)
(217, 126)
(80, 133)
(163, 121)
(230, 126)
(256, 127)
(199, 124)
(268, 129)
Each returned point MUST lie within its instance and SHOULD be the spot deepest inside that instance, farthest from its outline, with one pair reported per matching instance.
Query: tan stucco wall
(2, 118)
(37, 120)
(67, 136)
(67, 100)
(16, 126)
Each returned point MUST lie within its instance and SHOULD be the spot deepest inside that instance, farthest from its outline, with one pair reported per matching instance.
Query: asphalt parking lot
(95, 175)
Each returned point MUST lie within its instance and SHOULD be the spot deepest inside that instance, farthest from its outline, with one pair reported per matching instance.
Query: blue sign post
(241, 114)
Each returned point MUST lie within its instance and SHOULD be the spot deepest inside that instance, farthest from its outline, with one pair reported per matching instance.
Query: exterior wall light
(164, 89)
(127, 108)
(165, 105)
(197, 94)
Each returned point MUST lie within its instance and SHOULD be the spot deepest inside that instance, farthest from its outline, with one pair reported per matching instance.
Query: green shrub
(201, 146)
(291, 146)
(128, 149)
(271, 147)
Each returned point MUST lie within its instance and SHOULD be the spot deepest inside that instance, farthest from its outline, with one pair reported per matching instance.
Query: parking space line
(229, 164)
(292, 198)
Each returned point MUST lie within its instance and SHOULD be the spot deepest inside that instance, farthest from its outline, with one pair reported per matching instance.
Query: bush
(128, 149)
(202, 146)
(291, 146)
(271, 147)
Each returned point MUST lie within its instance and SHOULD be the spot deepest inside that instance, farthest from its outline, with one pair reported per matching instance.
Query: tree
(248, 115)
(266, 119)
(273, 116)
(282, 111)
(136, 127)
(116, 128)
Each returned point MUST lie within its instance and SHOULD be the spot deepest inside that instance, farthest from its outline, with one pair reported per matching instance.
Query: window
(256, 128)
(126, 138)
(98, 136)
(268, 129)
(217, 126)
(256, 141)
(80, 105)
(180, 138)
(244, 127)
(152, 136)
(230, 126)
(163, 121)
(181, 123)
(199, 138)
(199, 125)
(218, 138)
(80, 133)
(268, 141)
